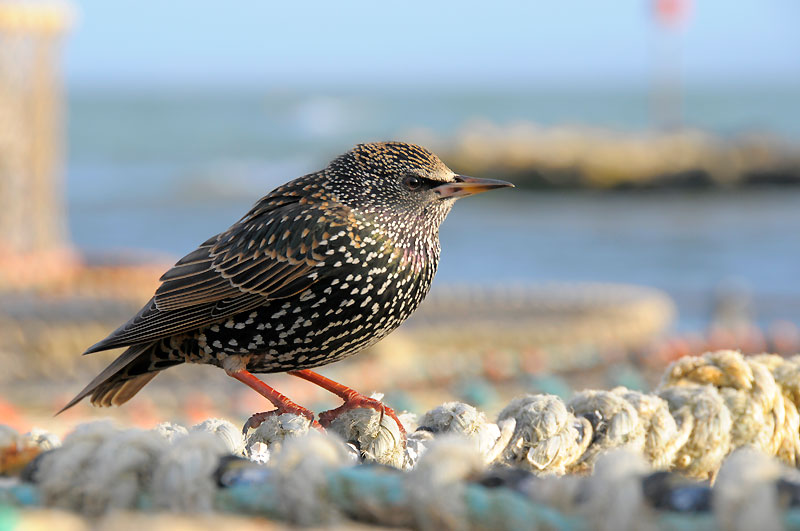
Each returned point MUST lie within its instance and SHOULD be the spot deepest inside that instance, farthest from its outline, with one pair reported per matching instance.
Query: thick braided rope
(705, 408)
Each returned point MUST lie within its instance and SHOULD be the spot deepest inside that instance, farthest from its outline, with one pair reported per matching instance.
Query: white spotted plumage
(319, 269)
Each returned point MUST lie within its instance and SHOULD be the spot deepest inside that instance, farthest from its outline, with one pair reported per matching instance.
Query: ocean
(160, 171)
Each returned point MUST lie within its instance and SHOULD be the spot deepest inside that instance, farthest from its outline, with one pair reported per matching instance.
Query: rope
(42, 334)
(619, 459)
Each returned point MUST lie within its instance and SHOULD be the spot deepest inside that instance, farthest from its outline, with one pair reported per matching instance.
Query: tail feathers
(121, 380)
(116, 393)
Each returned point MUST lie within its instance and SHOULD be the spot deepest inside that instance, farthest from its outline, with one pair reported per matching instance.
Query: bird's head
(401, 183)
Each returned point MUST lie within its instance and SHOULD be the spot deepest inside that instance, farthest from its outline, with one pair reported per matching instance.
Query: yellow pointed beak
(464, 186)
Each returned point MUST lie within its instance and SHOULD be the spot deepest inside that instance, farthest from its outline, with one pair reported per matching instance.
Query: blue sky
(604, 42)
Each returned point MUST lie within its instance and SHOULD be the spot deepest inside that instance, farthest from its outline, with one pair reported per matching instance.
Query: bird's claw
(257, 419)
(356, 401)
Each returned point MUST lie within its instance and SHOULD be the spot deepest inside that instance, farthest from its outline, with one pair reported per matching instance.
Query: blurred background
(654, 145)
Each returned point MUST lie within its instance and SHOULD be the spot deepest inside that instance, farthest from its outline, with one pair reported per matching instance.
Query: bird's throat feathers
(408, 244)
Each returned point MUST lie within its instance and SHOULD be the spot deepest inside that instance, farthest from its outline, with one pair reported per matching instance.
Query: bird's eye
(412, 183)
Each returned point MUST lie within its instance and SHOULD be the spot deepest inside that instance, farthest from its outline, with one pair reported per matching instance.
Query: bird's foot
(257, 419)
(355, 400)
(352, 400)
(281, 403)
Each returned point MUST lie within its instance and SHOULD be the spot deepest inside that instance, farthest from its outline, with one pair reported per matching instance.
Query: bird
(318, 270)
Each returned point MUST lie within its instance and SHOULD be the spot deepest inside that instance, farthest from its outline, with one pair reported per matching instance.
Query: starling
(319, 269)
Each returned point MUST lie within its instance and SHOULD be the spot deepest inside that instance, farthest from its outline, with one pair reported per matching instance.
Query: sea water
(163, 170)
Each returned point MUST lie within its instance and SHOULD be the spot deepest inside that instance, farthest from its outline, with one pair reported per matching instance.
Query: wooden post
(32, 209)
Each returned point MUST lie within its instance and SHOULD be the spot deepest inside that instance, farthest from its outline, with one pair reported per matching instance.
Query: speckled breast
(361, 294)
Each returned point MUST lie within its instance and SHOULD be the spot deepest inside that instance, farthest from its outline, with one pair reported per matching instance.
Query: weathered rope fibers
(704, 408)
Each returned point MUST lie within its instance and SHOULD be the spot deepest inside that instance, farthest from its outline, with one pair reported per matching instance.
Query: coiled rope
(595, 458)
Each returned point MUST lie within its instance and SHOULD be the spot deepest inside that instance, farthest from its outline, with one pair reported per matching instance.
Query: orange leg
(352, 399)
(282, 403)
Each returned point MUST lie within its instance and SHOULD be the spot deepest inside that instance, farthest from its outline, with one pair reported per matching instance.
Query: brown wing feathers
(223, 277)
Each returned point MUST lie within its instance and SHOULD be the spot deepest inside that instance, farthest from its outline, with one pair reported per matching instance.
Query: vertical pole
(33, 243)
(667, 92)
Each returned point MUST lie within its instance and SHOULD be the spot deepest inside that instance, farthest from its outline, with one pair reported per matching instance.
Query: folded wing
(272, 253)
